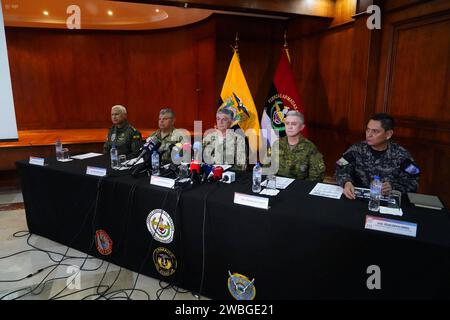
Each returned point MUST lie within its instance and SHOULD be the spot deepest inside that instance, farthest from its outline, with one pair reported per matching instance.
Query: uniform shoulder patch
(412, 169)
(342, 162)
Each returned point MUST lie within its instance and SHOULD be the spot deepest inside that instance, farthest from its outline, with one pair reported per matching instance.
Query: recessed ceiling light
(110, 13)
(157, 10)
(45, 13)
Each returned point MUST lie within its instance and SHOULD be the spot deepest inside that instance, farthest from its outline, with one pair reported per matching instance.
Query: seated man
(231, 146)
(377, 156)
(165, 134)
(299, 157)
(123, 135)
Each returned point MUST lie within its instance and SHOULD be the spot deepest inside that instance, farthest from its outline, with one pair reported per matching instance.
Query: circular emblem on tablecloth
(240, 287)
(160, 225)
(165, 261)
(103, 242)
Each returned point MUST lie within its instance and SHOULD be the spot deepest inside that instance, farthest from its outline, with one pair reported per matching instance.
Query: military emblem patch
(165, 261)
(240, 287)
(113, 137)
(160, 225)
(103, 242)
(342, 162)
(412, 169)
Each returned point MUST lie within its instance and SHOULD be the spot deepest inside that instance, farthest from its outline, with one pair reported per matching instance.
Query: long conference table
(302, 247)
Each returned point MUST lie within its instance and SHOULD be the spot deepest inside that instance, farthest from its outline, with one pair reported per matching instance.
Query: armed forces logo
(240, 287)
(160, 225)
(103, 242)
(165, 261)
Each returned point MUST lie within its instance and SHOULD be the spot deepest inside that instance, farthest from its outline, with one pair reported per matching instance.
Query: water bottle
(257, 174)
(155, 163)
(114, 158)
(375, 194)
(59, 149)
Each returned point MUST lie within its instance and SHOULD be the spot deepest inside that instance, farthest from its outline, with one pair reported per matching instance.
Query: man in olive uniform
(378, 155)
(166, 135)
(230, 145)
(299, 157)
(123, 135)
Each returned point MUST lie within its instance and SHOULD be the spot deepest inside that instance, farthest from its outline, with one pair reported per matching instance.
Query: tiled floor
(52, 281)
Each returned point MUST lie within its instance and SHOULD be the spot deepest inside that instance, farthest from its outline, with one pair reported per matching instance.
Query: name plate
(162, 182)
(251, 201)
(36, 161)
(96, 171)
(392, 226)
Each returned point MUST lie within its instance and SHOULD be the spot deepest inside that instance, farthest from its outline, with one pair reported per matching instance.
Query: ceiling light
(45, 12)
(110, 13)
(157, 10)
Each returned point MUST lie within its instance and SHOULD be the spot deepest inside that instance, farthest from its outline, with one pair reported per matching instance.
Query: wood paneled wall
(64, 79)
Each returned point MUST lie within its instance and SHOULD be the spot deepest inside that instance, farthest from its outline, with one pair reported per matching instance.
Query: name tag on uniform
(36, 161)
(162, 182)
(251, 201)
(96, 171)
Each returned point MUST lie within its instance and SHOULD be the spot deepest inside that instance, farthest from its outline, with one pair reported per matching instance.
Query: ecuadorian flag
(236, 97)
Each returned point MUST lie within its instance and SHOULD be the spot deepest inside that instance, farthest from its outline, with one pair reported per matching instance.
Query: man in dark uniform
(378, 155)
(124, 136)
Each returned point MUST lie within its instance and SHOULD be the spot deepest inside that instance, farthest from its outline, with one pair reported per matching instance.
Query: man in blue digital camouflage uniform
(378, 155)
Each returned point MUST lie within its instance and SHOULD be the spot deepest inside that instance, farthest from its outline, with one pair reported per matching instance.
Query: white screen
(8, 127)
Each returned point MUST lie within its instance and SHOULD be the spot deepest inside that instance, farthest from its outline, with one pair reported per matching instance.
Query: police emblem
(165, 261)
(160, 225)
(103, 242)
(240, 287)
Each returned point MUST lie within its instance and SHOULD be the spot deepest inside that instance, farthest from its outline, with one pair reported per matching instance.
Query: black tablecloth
(302, 247)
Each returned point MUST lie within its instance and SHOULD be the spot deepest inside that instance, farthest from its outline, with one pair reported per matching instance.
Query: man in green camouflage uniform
(377, 156)
(123, 135)
(299, 157)
(224, 145)
(166, 135)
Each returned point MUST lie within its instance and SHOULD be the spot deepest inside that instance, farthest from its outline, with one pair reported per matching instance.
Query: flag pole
(285, 46)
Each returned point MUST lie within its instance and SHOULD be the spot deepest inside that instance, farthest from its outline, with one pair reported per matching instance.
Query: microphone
(152, 143)
(196, 147)
(216, 174)
(194, 168)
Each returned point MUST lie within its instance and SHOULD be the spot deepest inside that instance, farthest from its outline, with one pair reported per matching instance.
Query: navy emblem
(103, 242)
(412, 169)
(240, 287)
(160, 225)
(165, 261)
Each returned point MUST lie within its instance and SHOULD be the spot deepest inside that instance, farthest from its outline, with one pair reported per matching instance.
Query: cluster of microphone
(201, 173)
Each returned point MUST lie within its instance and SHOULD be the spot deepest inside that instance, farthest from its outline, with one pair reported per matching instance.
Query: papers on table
(282, 182)
(86, 155)
(393, 211)
(327, 190)
(270, 192)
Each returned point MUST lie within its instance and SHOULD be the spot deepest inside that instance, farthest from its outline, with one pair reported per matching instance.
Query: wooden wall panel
(64, 79)
(419, 70)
